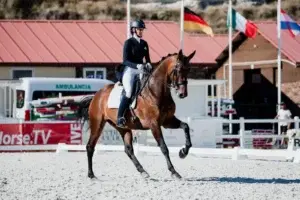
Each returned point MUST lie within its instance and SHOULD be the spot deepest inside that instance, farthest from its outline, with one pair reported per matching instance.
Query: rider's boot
(123, 106)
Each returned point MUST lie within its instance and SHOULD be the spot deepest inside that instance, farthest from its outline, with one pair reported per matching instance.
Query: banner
(40, 133)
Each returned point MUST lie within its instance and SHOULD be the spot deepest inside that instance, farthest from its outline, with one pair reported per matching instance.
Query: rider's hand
(149, 67)
(140, 67)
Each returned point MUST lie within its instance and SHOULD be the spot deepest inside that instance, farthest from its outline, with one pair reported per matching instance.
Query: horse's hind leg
(96, 127)
(127, 138)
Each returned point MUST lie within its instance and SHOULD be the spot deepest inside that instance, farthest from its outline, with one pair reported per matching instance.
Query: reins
(173, 76)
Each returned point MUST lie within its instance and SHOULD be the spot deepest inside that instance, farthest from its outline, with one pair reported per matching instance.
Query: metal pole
(212, 100)
(206, 100)
(219, 100)
(230, 48)
(182, 25)
(279, 60)
(224, 85)
(230, 60)
(5, 101)
(128, 19)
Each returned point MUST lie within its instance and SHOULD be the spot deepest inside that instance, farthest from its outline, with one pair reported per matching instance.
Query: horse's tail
(83, 109)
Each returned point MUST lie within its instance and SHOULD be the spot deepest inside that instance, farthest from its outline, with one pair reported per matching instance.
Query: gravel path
(58, 177)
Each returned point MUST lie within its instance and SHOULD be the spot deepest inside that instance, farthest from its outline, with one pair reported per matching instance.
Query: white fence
(145, 140)
(242, 132)
(289, 154)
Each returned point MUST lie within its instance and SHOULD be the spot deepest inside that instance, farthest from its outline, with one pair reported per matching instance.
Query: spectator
(283, 114)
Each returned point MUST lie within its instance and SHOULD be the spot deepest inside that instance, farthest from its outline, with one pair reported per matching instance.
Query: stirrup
(121, 122)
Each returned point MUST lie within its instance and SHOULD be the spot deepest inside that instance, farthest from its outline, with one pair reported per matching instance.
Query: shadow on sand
(245, 180)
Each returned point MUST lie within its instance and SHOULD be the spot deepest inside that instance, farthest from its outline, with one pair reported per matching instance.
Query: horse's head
(178, 72)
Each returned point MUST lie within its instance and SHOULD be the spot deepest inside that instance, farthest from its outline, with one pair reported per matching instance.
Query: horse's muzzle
(182, 91)
(181, 96)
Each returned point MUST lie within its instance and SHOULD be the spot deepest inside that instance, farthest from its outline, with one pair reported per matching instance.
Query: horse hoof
(176, 175)
(145, 175)
(182, 154)
(91, 175)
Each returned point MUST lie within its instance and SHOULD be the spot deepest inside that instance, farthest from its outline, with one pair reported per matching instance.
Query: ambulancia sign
(73, 86)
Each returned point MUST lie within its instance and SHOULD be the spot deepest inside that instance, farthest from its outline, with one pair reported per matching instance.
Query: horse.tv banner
(40, 134)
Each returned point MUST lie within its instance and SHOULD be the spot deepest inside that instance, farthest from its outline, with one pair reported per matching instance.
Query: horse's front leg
(157, 134)
(175, 123)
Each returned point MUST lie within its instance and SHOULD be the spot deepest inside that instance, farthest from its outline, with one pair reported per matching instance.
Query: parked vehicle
(31, 93)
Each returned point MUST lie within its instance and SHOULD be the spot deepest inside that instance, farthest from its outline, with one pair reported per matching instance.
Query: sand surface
(59, 177)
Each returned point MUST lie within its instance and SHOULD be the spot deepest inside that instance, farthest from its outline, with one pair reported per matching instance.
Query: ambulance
(40, 92)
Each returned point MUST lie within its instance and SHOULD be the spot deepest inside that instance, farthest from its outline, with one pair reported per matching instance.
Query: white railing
(236, 153)
(289, 154)
(242, 136)
(241, 152)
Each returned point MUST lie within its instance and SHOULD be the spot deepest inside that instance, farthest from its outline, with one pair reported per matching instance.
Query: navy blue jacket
(134, 52)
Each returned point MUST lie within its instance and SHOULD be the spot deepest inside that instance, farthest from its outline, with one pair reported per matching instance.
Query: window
(21, 73)
(20, 98)
(252, 76)
(256, 78)
(53, 94)
(99, 73)
(210, 90)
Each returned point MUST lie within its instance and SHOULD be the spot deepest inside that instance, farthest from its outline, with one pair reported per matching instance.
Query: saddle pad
(114, 98)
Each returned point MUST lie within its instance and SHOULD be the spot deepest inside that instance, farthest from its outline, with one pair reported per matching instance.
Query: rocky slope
(146, 9)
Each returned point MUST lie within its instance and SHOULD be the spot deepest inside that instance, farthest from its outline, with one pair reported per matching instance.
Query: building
(92, 49)
(89, 48)
(255, 83)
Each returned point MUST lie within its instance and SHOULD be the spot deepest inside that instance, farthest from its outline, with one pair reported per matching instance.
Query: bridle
(174, 77)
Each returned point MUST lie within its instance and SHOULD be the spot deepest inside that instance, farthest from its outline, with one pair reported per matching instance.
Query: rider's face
(139, 32)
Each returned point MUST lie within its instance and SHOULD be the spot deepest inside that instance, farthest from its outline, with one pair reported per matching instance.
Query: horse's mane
(146, 82)
(165, 57)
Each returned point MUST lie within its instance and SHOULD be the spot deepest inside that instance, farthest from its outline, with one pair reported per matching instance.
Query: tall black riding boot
(122, 108)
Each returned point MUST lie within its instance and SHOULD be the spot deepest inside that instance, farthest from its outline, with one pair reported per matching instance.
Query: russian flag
(288, 24)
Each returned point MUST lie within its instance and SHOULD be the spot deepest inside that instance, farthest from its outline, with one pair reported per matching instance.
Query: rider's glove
(149, 67)
(140, 67)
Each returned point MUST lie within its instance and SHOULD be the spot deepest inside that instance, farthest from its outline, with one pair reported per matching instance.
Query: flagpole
(279, 59)
(182, 24)
(230, 60)
(128, 19)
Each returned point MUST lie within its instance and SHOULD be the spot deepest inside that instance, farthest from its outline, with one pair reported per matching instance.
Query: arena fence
(64, 136)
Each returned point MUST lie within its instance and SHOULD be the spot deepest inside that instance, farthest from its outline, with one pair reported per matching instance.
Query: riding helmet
(138, 24)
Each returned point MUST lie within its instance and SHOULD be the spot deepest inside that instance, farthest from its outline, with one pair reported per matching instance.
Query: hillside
(116, 9)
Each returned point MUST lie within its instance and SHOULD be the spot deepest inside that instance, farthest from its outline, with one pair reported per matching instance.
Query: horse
(154, 108)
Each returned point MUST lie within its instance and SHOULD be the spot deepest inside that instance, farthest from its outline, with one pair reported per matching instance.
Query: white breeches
(128, 79)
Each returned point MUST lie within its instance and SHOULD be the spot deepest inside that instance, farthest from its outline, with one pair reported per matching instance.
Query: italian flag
(240, 23)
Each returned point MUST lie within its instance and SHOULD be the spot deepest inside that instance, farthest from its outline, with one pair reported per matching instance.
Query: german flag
(193, 22)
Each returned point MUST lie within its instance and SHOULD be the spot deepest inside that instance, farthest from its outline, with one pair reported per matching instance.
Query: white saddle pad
(114, 98)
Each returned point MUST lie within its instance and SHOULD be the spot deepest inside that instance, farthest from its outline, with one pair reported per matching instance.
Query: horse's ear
(180, 55)
(191, 56)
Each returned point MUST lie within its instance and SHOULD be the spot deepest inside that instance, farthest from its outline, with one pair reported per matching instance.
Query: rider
(134, 51)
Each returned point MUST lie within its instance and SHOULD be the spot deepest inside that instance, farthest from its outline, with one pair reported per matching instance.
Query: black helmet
(138, 24)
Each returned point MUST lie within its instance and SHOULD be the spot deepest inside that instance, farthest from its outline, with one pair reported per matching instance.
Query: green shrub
(116, 9)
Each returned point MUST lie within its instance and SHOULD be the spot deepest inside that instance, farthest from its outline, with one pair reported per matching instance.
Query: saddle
(136, 89)
(118, 91)
(133, 99)
(119, 69)
(137, 82)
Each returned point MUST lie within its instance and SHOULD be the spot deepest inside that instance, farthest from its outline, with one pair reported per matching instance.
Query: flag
(288, 24)
(240, 23)
(193, 22)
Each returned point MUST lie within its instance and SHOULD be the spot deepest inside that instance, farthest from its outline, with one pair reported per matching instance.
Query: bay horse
(154, 108)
